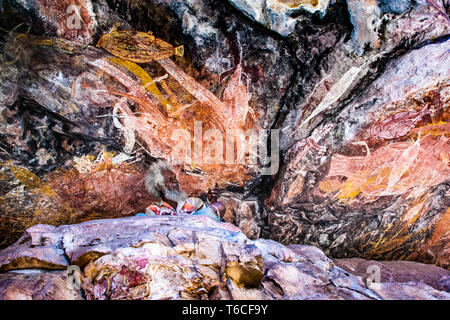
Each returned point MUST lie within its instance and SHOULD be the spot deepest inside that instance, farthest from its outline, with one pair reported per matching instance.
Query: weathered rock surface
(397, 271)
(277, 14)
(37, 285)
(369, 187)
(43, 249)
(358, 89)
(246, 214)
(194, 257)
(69, 142)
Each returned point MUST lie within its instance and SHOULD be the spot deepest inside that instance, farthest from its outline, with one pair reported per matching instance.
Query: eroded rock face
(277, 14)
(358, 89)
(397, 125)
(247, 214)
(358, 119)
(193, 257)
(37, 285)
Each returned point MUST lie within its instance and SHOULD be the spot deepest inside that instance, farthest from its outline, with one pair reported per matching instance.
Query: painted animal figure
(139, 47)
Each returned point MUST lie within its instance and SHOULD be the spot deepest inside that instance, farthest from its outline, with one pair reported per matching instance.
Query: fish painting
(137, 46)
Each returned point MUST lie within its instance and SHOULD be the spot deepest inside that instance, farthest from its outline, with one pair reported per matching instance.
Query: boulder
(38, 285)
(397, 271)
(193, 257)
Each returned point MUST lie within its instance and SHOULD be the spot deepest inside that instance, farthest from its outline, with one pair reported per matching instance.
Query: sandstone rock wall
(358, 89)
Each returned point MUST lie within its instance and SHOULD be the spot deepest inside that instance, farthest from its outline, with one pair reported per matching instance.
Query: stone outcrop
(193, 257)
(376, 147)
(37, 285)
(247, 214)
(358, 89)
